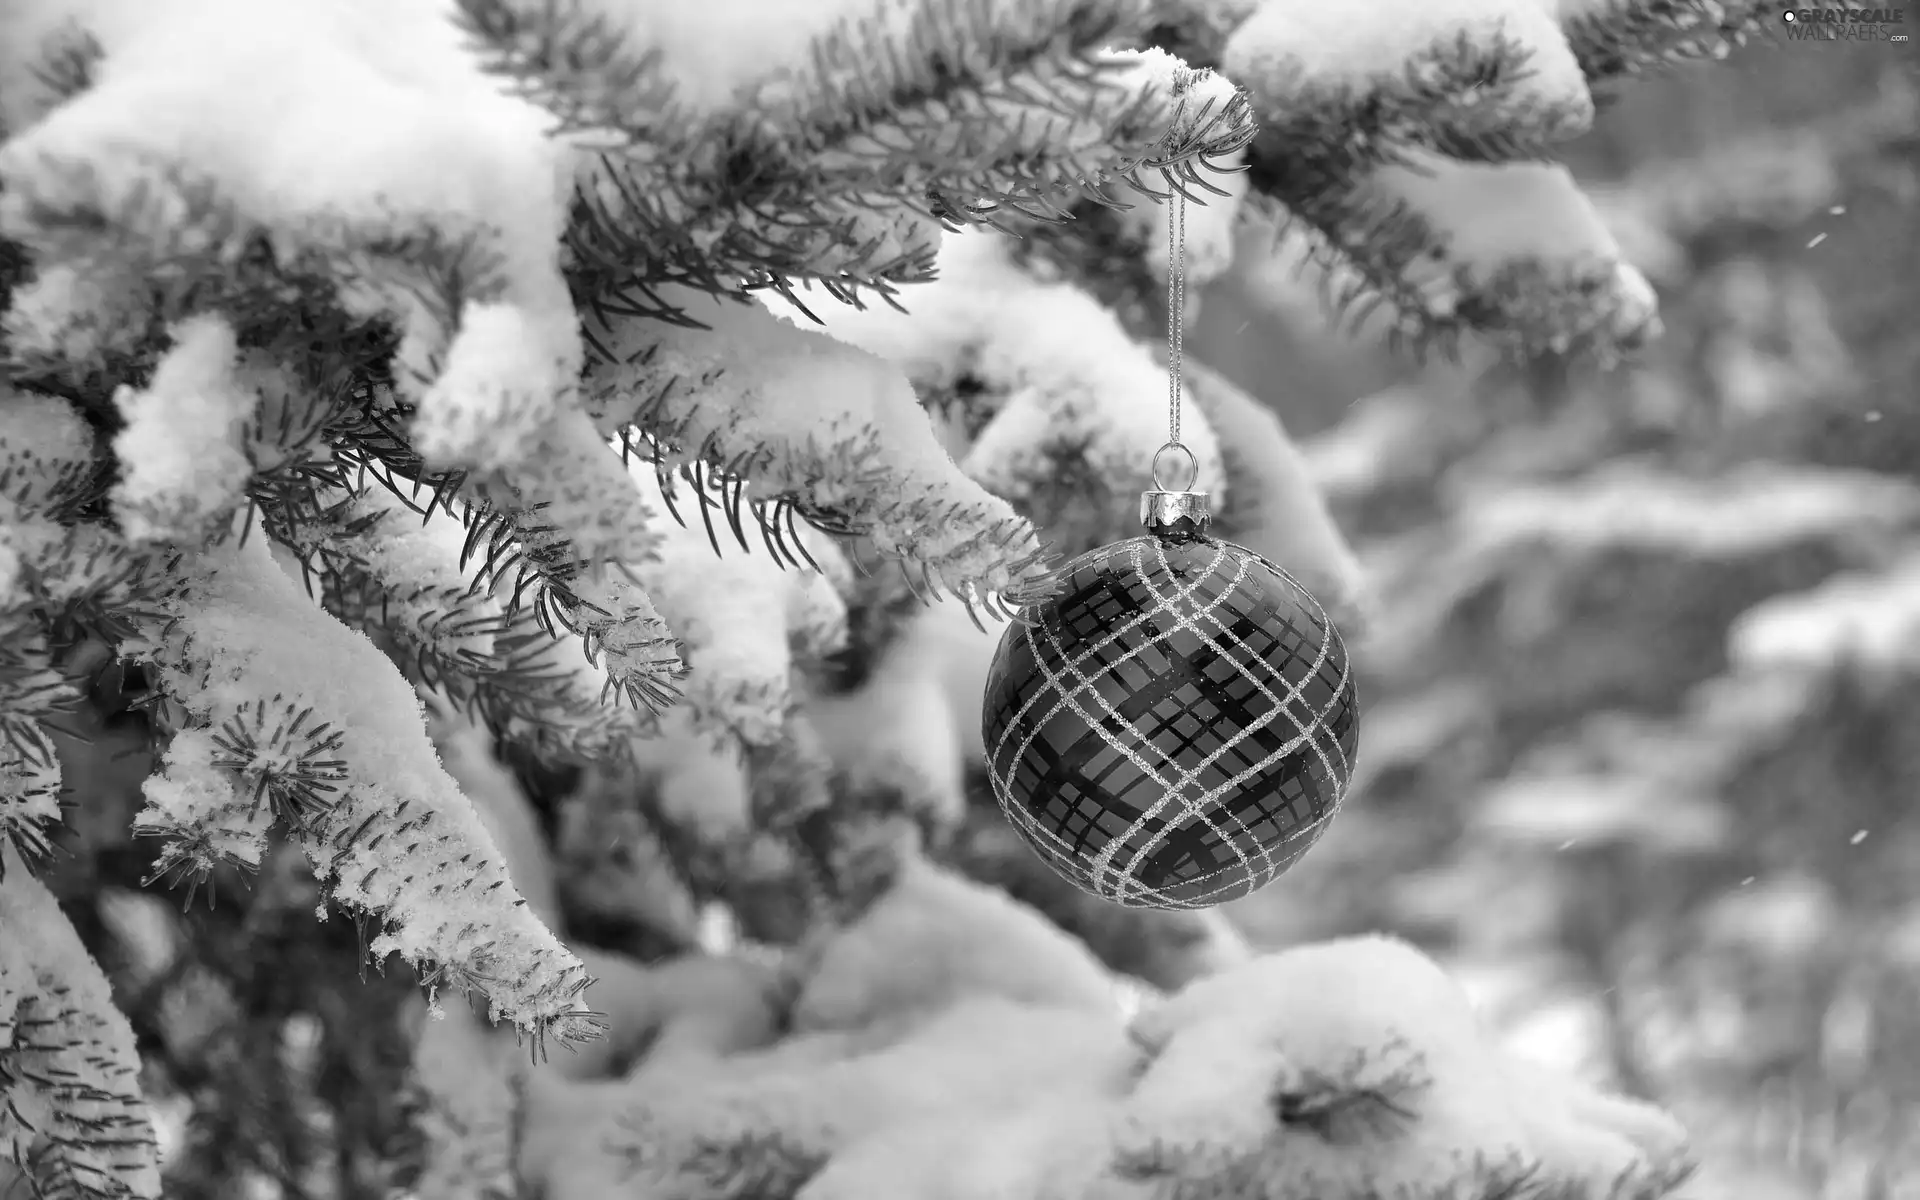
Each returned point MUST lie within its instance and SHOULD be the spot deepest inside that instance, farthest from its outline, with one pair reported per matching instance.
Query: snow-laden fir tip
(397, 839)
(804, 416)
(73, 1095)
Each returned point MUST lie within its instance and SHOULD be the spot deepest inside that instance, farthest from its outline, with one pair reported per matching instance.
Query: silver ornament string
(1176, 335)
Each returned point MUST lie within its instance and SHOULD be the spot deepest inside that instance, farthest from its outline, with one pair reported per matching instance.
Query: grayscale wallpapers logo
(1845, 24)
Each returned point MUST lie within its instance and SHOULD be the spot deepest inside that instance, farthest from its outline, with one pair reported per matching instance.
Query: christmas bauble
(1176, 726)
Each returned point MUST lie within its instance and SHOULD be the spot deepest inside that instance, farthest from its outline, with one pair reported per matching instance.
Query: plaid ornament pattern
(1176, 727)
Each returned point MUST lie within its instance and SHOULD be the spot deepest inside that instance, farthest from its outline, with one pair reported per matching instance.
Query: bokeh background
(1641, 756)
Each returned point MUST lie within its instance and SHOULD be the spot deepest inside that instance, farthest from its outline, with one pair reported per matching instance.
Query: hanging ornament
(1176, 726)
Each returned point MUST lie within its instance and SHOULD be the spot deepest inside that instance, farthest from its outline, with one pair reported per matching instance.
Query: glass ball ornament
(1176, 726)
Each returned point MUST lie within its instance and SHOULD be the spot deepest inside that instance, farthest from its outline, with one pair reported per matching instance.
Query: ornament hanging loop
(1175, 513)
(1170, 455)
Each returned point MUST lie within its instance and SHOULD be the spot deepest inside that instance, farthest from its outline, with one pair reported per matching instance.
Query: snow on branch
(1614, 38)
(1512, 252)
(46, 452)
(840, 164)
(316, 724)
(578, 528)
(741, 617)
(71, 1114)
(201, 813)
(1607, 38)
(1276, 508)
(1065, 409)
(1870, 620)
(32, 695)
(1341, 85)
(1755, 509)
(390, 559)
(1350, 99)
(802, 418)
(164, 160)
(182, 469)
(46, 467)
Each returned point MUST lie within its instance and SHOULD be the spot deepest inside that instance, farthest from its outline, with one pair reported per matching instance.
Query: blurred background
(1641, 752)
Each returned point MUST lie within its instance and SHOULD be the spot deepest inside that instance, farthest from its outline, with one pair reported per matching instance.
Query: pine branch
(1465, 98)
(395, 839)
(208, 819)
(68, 63)
(48, 460)
(581, 529)
(816, 424)
(847, 190)
(1396, 244)
(573, 62)
(30, 794)
(71, 1113)
(1617, 38)
(195, 250)
(387, 557)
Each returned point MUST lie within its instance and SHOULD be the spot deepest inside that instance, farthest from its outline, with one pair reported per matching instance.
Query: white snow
(1073, 374)
(58, 1023)
(732, 613)
(815, 418)
(46, 446)
(912, 1083)
(1595, 811)
(906, 726)
(182, 467)
(1871, 619)
(700, 785)
(202, 806)
(399, 839)
(1289, 50)
(937, 938)
(417, 565)
(352, 120)
(1629, 504)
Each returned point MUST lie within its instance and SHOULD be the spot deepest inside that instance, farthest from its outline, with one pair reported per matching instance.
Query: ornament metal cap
(1176, 513)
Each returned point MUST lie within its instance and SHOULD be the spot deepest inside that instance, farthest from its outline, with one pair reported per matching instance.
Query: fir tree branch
(71, 1113)
(394, 838)
(1415, 245)
(1617, 38)
(438, 595)
(929, 128)
(573, 62)
(34, 695)
(817, 423)
(30, 793)
(196, 250)
(207, 818)
(581, 530)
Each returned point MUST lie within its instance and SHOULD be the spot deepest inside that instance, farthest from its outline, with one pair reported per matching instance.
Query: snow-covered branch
(326, 733)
